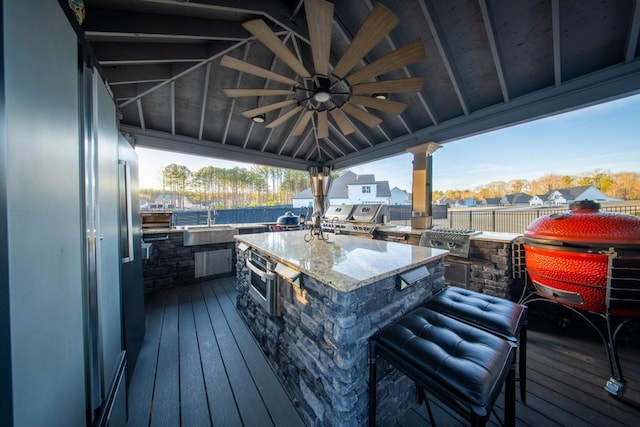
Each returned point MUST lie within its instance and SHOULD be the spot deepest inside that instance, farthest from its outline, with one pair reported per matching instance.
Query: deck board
(194, 410)
(270, 388)
(220, 398)
(143, 379)
(166, 397)
(250, 405)
(199, 365)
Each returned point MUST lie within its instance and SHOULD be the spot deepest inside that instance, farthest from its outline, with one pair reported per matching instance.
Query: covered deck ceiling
(488, 64)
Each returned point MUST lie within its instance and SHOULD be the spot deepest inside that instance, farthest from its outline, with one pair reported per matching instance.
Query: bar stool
(499, 316)
(463, 366)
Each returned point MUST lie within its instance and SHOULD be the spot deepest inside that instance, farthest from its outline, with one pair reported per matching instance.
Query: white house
(399, 197)
(536, 201)
(350, 189)
(170, 201)
(563, 196)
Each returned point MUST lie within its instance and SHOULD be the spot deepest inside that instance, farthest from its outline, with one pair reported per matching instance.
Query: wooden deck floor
(200, 366)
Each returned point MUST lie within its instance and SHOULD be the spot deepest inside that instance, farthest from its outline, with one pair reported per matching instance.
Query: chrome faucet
(211, 212)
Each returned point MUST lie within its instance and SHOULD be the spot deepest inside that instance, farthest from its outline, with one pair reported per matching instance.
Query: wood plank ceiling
(489, 64)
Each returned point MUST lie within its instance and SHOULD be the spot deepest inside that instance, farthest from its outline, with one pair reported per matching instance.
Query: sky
(605, 136)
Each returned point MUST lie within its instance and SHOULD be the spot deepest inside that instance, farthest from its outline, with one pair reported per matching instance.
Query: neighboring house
(563, 196)
(469, 202)
(350, 189)
(399, 197)
(144, 203)
(447, 202)
(490, 202)
(169, 201)
(303, 199)
(517, 199)
(536, 201)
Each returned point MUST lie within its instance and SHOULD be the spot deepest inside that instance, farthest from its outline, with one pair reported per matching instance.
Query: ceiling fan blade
(323, 124)
(379, 104)
(245, 67)
(238, 93)
(377, 25)
(299, 128)
(345, 126)
(366, 118)
(267, 108)
(407, 54)
(411, 84)
(262, 32)
(319, 21)
(286, 116)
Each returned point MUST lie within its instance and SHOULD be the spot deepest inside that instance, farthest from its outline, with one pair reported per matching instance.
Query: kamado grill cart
(589, 262)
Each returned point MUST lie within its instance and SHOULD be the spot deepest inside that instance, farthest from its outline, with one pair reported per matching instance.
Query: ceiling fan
(337, 92)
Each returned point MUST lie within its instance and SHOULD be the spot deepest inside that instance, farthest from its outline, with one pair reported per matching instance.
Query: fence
(260, 214)
(499, 220)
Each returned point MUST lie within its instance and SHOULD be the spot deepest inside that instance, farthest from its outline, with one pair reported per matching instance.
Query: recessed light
(261, 118)
(380, 95)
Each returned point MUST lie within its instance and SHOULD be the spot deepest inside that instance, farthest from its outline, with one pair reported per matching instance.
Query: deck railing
(498, 220)
(507, 220)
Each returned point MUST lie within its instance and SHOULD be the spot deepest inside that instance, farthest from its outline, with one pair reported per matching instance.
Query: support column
(320, 183)
(421, 211)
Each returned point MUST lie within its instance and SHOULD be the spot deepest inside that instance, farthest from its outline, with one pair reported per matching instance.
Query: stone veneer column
(319, 345)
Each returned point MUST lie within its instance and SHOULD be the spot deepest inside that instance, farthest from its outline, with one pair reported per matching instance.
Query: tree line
(228, 188)
(623, 185)
(265, 186)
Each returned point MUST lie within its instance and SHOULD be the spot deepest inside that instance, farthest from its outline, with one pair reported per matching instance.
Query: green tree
(176, 178)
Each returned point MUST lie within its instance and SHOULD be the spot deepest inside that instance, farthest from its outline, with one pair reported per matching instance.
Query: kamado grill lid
(585, 225)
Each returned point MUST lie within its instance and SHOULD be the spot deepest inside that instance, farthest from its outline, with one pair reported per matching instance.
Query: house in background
(170, 201)
(446, 201)
(536, 201)
(517, 199)
(563, 196)
(303, 199)
(490, 202)
(349, 189)
(399, 197)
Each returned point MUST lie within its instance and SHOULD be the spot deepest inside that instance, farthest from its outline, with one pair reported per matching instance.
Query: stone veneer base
(318, 346)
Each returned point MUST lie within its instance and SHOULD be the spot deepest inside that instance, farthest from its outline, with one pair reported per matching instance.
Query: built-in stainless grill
(355, 219)
(456, 241)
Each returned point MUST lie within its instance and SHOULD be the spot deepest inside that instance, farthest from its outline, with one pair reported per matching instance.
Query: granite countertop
(484, 235)
(494, 236)
(390, 228)
(344, 262)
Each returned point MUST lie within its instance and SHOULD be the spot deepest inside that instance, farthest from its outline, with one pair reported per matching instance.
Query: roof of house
(399, 189)
(517, 198)
(569, 193)
(492, 200)
(340, 186)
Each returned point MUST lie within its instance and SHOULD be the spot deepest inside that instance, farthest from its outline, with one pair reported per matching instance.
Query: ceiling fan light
(321, 96)
(260, 118)
(380, 96)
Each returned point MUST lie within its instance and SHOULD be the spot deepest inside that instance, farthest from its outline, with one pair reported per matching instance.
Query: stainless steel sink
(207, 235)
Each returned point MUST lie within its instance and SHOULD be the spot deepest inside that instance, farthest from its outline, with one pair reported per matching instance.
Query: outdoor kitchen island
(327, 299)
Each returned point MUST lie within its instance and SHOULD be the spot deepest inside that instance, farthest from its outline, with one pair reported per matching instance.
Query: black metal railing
(498, 220)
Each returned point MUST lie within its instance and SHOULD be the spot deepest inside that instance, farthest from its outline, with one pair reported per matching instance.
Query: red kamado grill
(589, 261)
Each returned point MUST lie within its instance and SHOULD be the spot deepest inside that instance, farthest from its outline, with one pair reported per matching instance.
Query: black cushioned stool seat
(496, 315)
(463, 366)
